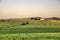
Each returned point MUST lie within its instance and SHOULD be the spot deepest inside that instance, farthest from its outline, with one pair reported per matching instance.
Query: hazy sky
(29, 8)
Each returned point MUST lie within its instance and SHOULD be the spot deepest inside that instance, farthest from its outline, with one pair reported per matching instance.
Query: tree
(55, 18)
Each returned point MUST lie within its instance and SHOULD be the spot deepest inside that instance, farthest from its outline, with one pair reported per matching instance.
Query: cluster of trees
(35, 18)
(32, 18)
(53, 18)
(4, 20)
(38, 18)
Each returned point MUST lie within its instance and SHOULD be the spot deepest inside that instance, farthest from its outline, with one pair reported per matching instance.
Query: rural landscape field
(17, 29)
(29, 19)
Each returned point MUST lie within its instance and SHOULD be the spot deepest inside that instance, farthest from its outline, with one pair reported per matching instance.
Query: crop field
(31, 36)
(35, 30)
(34, 26)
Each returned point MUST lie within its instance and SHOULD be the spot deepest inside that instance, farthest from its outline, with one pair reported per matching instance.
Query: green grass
(35, 30)
(31, 36)
(34, 26)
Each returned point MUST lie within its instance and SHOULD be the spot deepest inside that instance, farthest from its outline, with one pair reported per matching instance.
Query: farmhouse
(42, 19)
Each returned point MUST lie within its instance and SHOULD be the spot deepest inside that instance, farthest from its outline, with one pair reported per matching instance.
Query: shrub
(24, 23)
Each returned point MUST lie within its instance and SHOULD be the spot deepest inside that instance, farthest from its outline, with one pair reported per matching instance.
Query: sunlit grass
(31, 36)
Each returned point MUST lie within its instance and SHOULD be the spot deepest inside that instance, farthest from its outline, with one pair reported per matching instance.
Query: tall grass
(31, 36)
(33, 26)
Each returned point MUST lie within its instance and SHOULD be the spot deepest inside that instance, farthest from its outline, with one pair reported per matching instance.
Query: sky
(29, 8)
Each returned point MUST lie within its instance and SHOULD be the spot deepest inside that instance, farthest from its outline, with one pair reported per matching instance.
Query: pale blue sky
(29, 8)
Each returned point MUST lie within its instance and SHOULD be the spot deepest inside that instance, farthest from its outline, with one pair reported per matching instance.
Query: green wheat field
(35, 30)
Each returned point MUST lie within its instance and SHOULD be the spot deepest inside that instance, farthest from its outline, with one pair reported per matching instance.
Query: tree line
(32, 18)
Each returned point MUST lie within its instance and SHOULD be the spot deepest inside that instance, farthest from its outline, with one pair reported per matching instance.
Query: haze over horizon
(29, 8)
